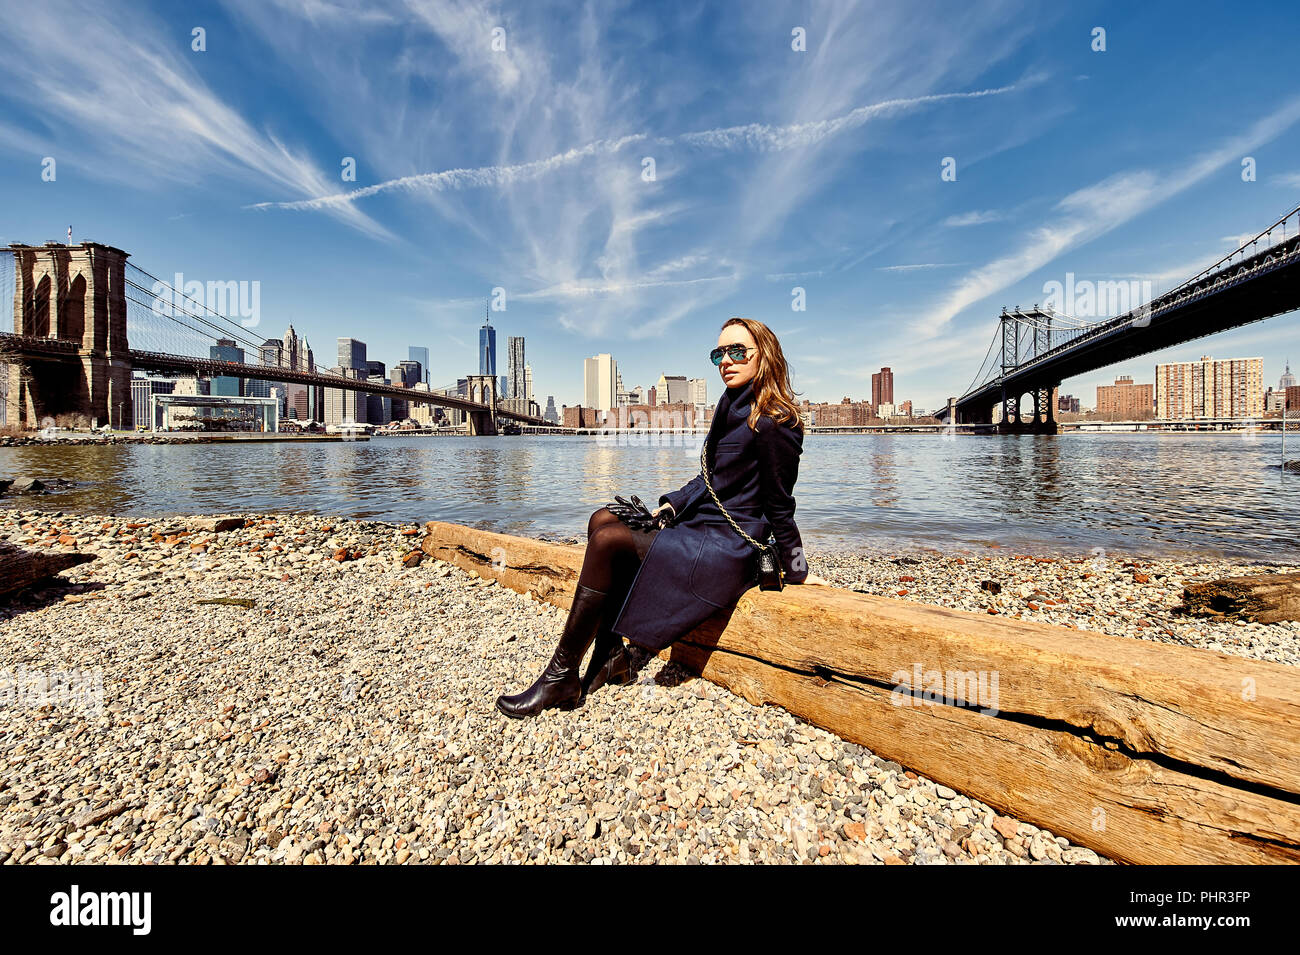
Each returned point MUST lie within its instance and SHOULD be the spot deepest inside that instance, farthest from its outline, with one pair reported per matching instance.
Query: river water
(1152, 494)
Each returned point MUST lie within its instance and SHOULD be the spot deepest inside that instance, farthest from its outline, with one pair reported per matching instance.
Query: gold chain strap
(704, 470)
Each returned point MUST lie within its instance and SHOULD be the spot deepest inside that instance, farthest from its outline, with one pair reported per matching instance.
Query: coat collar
(733, 406)
(739, 401)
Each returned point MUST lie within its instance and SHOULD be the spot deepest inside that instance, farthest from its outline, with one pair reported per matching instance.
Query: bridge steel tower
(1034, 328)
(74, 294)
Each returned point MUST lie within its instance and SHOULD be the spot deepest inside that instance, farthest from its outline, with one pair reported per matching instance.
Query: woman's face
(735, 373)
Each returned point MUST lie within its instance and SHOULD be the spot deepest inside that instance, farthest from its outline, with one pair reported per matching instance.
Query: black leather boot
(609, 663)
(559, 685)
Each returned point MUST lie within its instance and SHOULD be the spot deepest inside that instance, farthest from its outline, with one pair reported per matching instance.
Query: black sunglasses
(737, 353)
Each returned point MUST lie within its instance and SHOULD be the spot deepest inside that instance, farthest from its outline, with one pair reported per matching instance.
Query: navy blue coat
(699, 564)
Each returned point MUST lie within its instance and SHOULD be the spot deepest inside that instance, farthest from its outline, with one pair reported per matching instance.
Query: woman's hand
(664, 514)
(814, 579)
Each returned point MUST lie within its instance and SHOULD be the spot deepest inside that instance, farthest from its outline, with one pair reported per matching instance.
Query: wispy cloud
(763, 137)
(122, 101)
(916, 267)
(790, 276)
(1093, 211)
(975, 217)
(569, 290)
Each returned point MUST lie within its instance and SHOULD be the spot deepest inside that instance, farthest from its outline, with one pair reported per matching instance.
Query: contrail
(462, 178)
(756, 136)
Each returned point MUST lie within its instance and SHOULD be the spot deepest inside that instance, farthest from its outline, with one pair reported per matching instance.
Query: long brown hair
(773, 392)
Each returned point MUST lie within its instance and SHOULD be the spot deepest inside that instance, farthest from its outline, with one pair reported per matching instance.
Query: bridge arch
(72, 312)
(36, 311)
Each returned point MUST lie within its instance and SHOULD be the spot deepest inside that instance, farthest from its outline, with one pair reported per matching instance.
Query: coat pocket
(725, 565)
(727, 451)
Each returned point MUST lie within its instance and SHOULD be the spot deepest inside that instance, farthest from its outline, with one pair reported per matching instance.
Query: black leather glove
(633, 513)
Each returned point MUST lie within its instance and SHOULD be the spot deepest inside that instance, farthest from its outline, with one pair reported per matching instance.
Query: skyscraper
(515, 367)
(292, 354)
(1288, 379)
(414, 353)
(271, 357)
(352, 354)
(410, 372)
(672, 389)
(226, 349)
(882, 387)
(487, 346)
(599, 375)
(341, 405)
(1228, 388)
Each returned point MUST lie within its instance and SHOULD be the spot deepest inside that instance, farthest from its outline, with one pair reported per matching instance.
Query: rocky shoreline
(306, 689)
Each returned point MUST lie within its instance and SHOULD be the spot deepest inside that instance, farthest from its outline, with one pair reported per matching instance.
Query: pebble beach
(337, 707)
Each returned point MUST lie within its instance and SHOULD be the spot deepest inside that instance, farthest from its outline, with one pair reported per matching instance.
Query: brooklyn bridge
(84, 319)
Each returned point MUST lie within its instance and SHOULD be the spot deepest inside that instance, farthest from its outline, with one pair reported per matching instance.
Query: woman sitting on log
(654, 576)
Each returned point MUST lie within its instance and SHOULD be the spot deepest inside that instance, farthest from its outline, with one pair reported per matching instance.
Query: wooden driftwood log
(1265, 598)
(21, 568)
(1145, 752)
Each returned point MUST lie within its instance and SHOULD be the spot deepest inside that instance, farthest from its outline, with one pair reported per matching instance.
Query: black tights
(614, 554)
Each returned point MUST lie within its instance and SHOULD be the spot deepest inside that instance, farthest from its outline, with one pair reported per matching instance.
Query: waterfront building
(1226, 388)
(846, 414)
(1124, 400)
(178, 412)
(579, 416)
(144, 387)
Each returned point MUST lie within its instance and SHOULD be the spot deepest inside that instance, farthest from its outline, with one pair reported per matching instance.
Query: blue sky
(524, 169)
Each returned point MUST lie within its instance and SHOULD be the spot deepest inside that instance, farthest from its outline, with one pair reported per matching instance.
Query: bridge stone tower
(75, 294)
(483, 389)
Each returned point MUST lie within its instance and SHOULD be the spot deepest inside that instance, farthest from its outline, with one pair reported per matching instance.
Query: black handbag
(769, 560)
